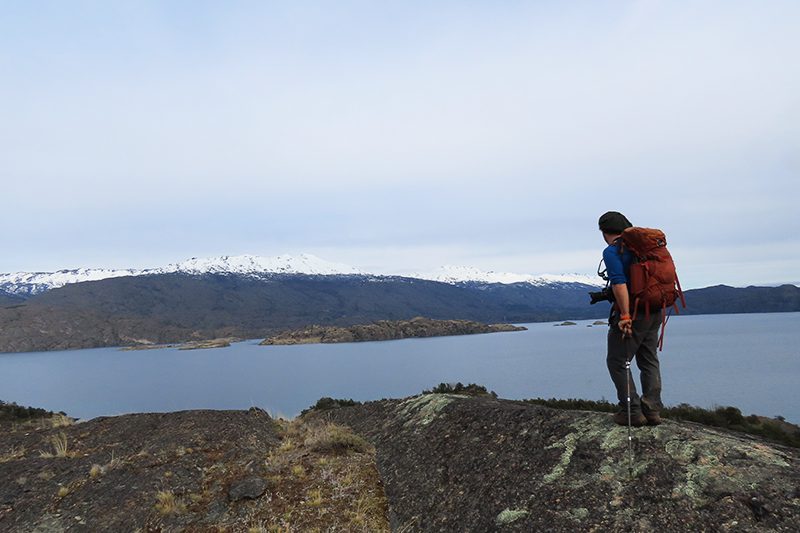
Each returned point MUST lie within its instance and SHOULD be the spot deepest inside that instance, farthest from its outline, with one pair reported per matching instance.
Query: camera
(601, 296)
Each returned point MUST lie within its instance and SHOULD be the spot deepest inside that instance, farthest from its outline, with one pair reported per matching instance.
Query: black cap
(613, 222)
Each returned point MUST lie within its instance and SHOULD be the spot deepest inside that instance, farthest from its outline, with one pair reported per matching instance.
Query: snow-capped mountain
(255, 265)
(28, 284)
(463, 274)
(31, 283)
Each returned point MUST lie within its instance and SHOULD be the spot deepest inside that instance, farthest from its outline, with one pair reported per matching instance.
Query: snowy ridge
(255, 264)
(31, 283)
(460, 274)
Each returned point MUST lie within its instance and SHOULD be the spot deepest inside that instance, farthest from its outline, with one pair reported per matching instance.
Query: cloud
(485, 130)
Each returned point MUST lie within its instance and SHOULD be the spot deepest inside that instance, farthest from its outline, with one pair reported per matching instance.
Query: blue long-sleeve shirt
(618, 266)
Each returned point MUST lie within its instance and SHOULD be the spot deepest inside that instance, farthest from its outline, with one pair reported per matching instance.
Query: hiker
(627, 337)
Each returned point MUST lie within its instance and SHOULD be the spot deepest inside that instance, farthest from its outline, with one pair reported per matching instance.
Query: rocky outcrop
(188, 471)
(385, 330)
(432, 462)
(459, 463)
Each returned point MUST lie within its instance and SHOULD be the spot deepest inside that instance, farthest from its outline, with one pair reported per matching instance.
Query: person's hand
(626, 325)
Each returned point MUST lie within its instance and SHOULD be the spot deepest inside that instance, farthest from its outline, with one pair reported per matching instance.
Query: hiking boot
(637, 419)
(653, 418)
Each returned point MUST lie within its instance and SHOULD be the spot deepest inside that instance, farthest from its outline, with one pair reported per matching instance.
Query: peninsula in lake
(384, 330)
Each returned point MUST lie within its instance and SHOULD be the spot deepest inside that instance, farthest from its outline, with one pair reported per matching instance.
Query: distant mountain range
(27, 284)
(251, 297)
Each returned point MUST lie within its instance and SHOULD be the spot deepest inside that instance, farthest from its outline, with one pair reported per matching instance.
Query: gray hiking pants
(643, 347)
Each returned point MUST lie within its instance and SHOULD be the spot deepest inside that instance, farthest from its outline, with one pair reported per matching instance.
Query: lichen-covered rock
(461, 463)
(434, 462)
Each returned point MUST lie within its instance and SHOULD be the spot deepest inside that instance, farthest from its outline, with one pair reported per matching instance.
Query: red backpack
(653, 279)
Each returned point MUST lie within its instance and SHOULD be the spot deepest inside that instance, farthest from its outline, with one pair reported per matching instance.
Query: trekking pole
(630, 434)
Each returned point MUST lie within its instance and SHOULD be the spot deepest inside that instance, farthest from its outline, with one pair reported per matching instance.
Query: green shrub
(326, 402)
(14, 412)
(459, 388)
(575, 404)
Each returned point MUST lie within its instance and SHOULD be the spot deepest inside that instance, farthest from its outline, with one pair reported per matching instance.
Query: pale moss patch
(615, 439)
(596, 431)
(707, 470)
(709, 462)
(621, 468)
(510, 515)
(681, 451)
(705, 474)
(767, 454)
(578, 514)
(568, 443)
(423, 409)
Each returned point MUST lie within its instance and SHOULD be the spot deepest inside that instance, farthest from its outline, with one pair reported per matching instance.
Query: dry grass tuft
(98, 470)
(168, 503)
(15, 452)
(314, 497)
(366, 513)
(58, 420)
(322, 469)
(335, 439)
(60, 447)
(299, 471)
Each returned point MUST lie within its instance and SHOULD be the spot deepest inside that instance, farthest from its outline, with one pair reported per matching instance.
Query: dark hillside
(723, 299)
(7, 299)
(171, 308)
(177, 307)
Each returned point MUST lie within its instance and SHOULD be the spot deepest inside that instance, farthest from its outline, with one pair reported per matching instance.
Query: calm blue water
(749, 361)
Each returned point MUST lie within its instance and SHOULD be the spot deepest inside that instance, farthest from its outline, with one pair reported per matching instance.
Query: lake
(751, 361)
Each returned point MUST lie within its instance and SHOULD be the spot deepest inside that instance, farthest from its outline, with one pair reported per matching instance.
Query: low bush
(472, 389)
(575, 404)
(15, 413)
(326, 402)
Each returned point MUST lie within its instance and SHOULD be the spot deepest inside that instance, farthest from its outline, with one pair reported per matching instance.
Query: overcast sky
(400, 136)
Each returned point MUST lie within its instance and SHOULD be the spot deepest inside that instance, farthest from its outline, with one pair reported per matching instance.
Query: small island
(385, 330)
(223, 342)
